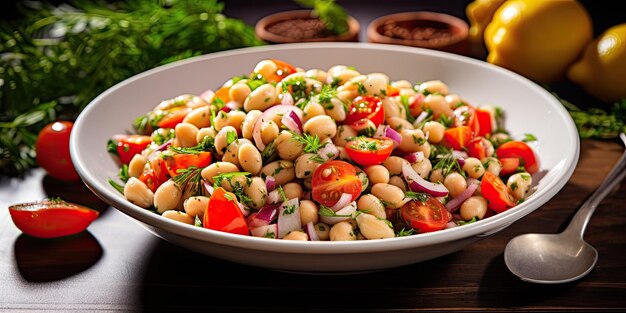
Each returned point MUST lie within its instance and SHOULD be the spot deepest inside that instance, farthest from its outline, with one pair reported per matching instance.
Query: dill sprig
(311, 143)
(190, 179)
(446, 161)
(56, 59)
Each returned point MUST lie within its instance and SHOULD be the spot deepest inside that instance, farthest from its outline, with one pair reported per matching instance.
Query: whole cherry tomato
(53, 150)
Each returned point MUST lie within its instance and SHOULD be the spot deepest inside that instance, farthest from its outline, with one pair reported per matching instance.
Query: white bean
(369, 204)
(195, 206)
(167, 196)
(344, 132)
(473, 167)
(394, 164)
(377, 174)
(199, 117)
(342, 231)
(217, 168)
(519, 184)
(257, 192)
(178, 216)
(287, 147)
(186, 134)
(434, 86)
(308, 212)
(412, 139)
(221, 139)
(323, 231)
(265, 68)
(373, 228)
(296, 235)
(250, 158)
(248, 123)
(261, 98)
(398, 182)
(455, 183)
(138, 193)
(391, 195)
(434, 130)
(475, 206)
(492, 165)
(136, 165)
(305, 167)
(205, 132)
(335, 109)
(283, 171)
(423, 167)
(437, 103)
(322, 126)
(239, 91)
(376, 84)
(311, 110)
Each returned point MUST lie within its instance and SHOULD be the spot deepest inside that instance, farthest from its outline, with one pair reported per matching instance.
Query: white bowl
(530, 109)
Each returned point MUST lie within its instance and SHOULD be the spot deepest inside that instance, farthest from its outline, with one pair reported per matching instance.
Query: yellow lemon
(479, 13)
(538, 39)
(602, 69)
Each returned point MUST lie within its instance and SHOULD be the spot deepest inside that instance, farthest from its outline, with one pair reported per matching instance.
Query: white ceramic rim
(481, 228)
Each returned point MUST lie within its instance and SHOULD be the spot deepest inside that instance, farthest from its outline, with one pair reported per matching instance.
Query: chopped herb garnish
(190, 179)
(419, 196)
(405, 232)
(404, 99)
(207, 144)
(529, 138)
(117, 186)
(328, 212)
(123, 174)
(197, 221)
(311, 143)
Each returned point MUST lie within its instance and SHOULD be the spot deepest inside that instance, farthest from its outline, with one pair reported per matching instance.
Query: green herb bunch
(56, 59)
(334, 16)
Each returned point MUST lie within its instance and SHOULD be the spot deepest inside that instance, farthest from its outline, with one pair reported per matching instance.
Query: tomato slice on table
(173, 117)
(365, 107)
(425, 216)
(457, 138)
(332, 179)
(223, 213)
(369, 151)
(181, 161)
(496, 193)
(126, 146)
(51, 218)
(522, 151)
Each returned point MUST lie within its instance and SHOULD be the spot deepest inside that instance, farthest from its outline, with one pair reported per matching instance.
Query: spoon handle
(581, 219)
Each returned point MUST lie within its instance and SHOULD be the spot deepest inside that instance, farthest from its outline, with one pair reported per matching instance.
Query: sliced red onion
(208, 187)
(289, 217)
(207, 95)
(419, 184)
(244, 209)
(343, 201)
(346, 213)
(454, 204)
(293, 122)
(459, 154)
(328, 152)
(270, 183)
(266, 231)
(309, 229)
(461, 161)
(269, 115)
(265, 216)
(451, 225)
(393, 135)
(287, 99)
(380, 131)
(414, 157)
(160, 148)
(420, 118)
(274, 197)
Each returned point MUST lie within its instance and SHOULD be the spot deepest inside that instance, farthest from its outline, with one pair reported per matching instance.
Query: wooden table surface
(117, 265)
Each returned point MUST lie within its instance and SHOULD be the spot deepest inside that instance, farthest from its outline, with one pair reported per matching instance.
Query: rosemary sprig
(190, 179)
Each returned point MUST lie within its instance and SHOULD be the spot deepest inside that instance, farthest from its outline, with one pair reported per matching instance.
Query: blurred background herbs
(54, 59)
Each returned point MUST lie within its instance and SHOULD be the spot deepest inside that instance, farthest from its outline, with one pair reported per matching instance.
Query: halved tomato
(465, 115)
(496, 193)
(181, 161)
(457, 138)
(425, 216)
(173, 117)
(332, 179)
(52, 218)
(223, 213)
(369, 151)
(129, 145)
(509, 166)
(520, 150)
(155, 173)
(485, 122)
(476, 148)
(283, 69)
(365, 107)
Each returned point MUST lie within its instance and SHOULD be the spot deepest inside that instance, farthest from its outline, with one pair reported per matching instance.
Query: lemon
(538, 39)
(601, 71)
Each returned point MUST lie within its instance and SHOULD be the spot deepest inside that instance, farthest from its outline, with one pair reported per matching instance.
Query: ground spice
(432, 33)
(300, 29)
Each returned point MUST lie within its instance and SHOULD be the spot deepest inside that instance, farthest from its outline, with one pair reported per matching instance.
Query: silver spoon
(564, 257)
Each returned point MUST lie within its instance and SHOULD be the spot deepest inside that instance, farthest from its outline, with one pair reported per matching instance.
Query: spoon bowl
(563, 257)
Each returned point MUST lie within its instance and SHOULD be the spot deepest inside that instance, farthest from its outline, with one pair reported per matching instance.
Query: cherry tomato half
(477, 148)
(496, 193)
(155, 173)
(181, 161)
(426, 216)
(509, 166)
(51, 218)
(365, 107)
(53, 150)
(173, 117)
(223, 213)
(457, 138)
(465, 115)
(126, 146)
(332, 179)
(520, 150)
(369, 151)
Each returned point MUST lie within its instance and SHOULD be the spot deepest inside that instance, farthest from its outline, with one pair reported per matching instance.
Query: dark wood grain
(116, 265)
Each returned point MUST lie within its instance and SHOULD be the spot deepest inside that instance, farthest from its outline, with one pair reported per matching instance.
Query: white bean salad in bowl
(332, 155)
